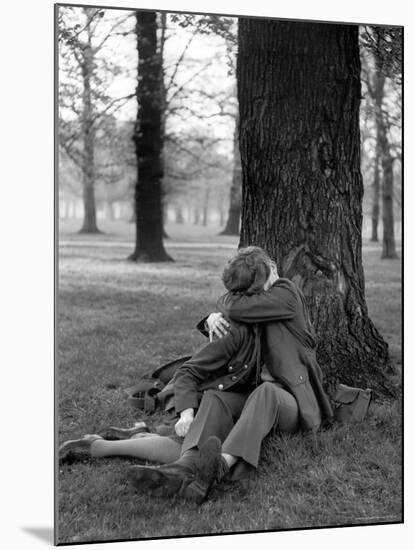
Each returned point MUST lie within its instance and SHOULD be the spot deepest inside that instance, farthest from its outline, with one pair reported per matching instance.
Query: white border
(27, 267)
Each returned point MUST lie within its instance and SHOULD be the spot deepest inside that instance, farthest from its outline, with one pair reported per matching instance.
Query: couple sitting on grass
(258, 376)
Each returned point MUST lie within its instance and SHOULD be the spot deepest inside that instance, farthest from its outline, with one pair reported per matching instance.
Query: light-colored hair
(247, 271)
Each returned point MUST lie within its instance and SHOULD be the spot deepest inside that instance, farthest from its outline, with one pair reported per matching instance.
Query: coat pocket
(295, 376)
(299, 385)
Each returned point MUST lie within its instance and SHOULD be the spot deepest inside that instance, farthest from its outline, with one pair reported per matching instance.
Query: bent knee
(266, 387)
(268, 390)
(212, 394)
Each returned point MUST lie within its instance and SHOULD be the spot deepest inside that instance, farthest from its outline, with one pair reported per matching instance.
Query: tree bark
(88, 137)
(148, 138)
(299, 93)
(233, 220)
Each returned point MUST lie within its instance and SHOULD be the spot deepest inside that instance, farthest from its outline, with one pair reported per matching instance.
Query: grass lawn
(118, 320)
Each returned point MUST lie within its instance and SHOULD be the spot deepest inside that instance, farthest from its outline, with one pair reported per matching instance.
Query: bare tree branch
(125, 99)
(109, 34)
(178, 62)
(195, 155)
(72, 154)
(89, 20)
(180, 88)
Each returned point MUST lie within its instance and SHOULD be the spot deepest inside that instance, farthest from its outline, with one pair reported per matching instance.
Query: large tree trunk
(88, 136)
(148, 138)
(233, 221)
(299, 93)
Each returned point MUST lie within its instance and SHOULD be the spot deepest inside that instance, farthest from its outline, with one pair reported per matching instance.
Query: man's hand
(217, 324)
(184, 423)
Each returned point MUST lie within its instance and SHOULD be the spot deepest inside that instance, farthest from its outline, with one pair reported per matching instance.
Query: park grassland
(118, 320)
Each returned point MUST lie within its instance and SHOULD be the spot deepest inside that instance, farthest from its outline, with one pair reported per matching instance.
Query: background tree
(116, 164)
(382, 78)
(203, 97)
(370, 158)
(115, 169)
(193, 90)
(376, 185)
(148, 138)
(83, 99)
(178, 91)
(300, 153)
(233, 218)
(197, 175)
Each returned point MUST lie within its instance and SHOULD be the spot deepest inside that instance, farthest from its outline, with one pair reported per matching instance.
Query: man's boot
(166, 480)
(210, 467)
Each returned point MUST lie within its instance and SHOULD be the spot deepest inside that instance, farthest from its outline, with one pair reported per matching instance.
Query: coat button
(220, 386)
(246, 366)
(234, 377)
(230, 368)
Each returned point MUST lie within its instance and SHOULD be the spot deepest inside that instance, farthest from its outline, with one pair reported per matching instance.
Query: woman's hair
(247, 271)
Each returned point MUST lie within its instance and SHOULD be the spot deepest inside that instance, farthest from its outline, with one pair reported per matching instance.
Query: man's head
(250, 271)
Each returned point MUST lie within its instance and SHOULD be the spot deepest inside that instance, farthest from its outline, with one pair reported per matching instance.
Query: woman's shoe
(114, 434)
(77, 449)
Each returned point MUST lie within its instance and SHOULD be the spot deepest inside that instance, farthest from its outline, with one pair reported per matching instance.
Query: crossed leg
(242, 421)
(146, 446)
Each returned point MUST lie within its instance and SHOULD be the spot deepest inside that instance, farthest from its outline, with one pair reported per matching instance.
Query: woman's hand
(273, 277)
(183, 424)
(217, 324)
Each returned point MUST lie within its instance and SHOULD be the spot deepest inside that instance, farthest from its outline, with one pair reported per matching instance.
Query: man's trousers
(242, 421)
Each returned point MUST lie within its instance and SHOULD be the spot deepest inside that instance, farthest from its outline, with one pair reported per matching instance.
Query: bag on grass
(351, 404)
(154, 390)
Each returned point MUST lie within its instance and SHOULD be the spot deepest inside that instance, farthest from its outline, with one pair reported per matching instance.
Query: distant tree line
(297, 170)
(99, 157)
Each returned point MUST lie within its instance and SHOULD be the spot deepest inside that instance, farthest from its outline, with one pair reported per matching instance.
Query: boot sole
(207, 464)
(75, 449)
(156, 482)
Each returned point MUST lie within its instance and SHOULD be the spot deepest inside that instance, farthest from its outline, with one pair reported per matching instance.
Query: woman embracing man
(256, 375)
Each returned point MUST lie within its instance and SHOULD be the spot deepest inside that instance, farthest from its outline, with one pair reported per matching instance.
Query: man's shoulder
(285, 284)
(240, 330)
